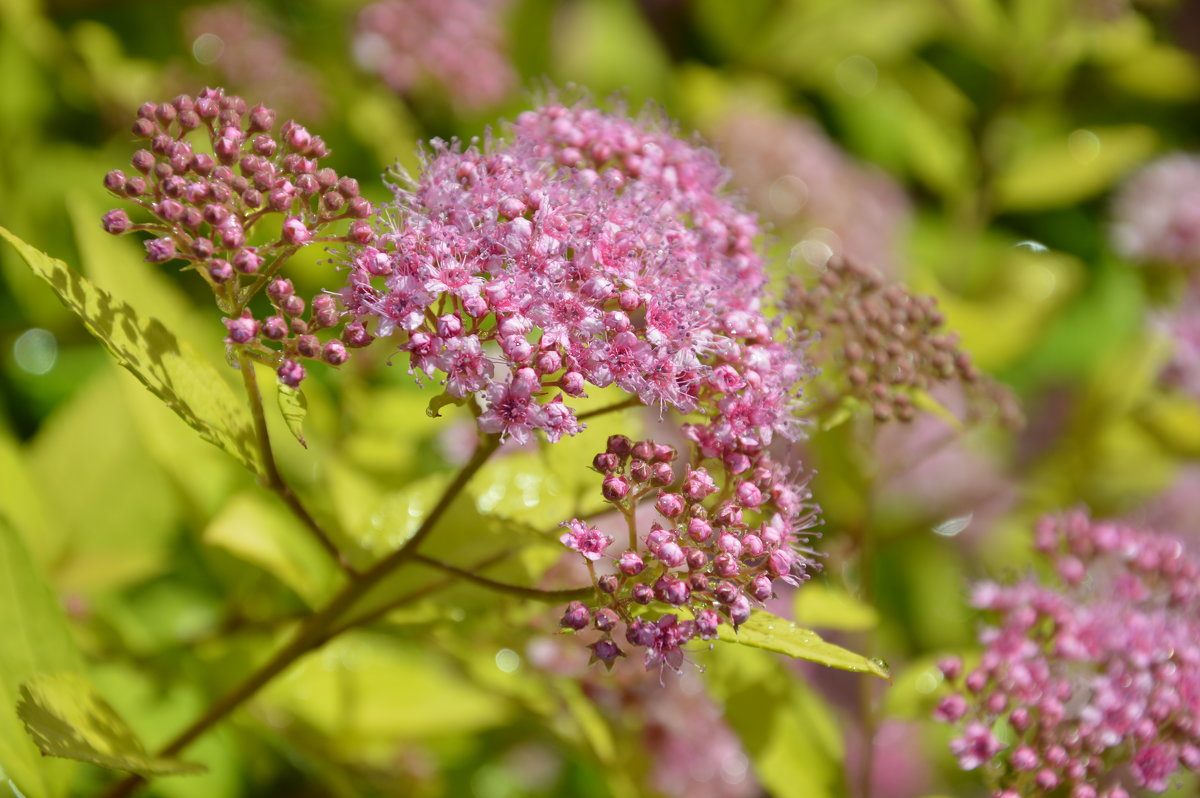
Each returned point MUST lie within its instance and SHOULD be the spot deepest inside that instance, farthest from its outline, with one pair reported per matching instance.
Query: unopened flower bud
(605, 651)
(670, 554)
(247, 261)
(116, 222)
(760, 587)
(739, 611)
(605, 619)
(220, 270)
(639, 471)
(699, 530)
(662, 474)
(726, 592)
(630, 563)
(273, 327)
(607, 583)
(308, 345)
(355, 336)
(605, 463)
(291, 373)
(292, 306)
(335, 353)
(669, 504)
(160, 250)
(642, 593)
(577, 616)
(241, 330)
(615, 488)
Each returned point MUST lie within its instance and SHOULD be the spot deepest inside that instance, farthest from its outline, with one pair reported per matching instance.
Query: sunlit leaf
(764, 630)
(364, 692)
(293, 406)
(822, 605)
(67, 718)
(88, 449)
(1071, 167)
(261, 532)
(35, 639)
(787, 730)
(148, 349)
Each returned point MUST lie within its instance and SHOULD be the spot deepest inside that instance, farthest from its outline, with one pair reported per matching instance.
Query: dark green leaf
(67, 718)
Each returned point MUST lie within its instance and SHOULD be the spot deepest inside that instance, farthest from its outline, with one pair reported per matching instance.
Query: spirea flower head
(1093, 676)
(587, 249)
(714, 553)
(1182, 328)
(880, 344)
(238, 44)
(216, 177)
(1156, 214)
(458, 45)
(805, 184)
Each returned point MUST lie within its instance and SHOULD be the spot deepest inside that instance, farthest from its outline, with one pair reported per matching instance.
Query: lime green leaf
(67, 718)
(36, 639)
(164, 364)
(261, 532)
(442, 400)
(1072, 167)
(773, 633)
(89, 450)
(365, 692)
(787, 730)
(293, 406)
(832, 608)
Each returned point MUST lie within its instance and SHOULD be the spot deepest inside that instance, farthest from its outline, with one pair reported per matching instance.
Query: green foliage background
(135, 553)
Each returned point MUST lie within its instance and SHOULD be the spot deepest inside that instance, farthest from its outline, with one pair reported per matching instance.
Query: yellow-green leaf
(35, 639)
(764, 630)
(151, 352)
(293, 407)
(261, 532)
(145, 347)
(832, 608)
(67, 718)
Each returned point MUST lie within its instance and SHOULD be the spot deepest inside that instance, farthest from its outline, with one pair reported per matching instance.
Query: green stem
(315, 631)
(273, 479)
(549, 596)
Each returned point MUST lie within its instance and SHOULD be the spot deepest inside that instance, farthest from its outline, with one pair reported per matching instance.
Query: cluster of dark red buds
(234, 200)
(880, 344)
(714, 553)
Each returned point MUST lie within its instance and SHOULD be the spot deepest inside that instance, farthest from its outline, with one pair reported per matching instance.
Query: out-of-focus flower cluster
(1089, 684)
(457, 45)
(589, 249)
(804, 183)
(1156, 214)
(216, 175)
(1182, 327)
(247, 54)
(718, 553)
(880, 344)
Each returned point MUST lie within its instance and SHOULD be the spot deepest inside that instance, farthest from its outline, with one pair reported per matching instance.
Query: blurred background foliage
(966, 147)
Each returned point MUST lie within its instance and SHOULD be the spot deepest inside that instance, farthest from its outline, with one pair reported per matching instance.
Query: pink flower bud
(669, 504)
(291, 373)
(577, 616)
(160, 250)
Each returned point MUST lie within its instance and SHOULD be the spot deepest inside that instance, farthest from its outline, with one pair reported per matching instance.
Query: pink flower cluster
(1182, 326)
(719, 552)
(1093, 682)
(1156, 214)
(240, 45)
(589, 249)
(804, 183)
(206, 208)
(456, 44)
